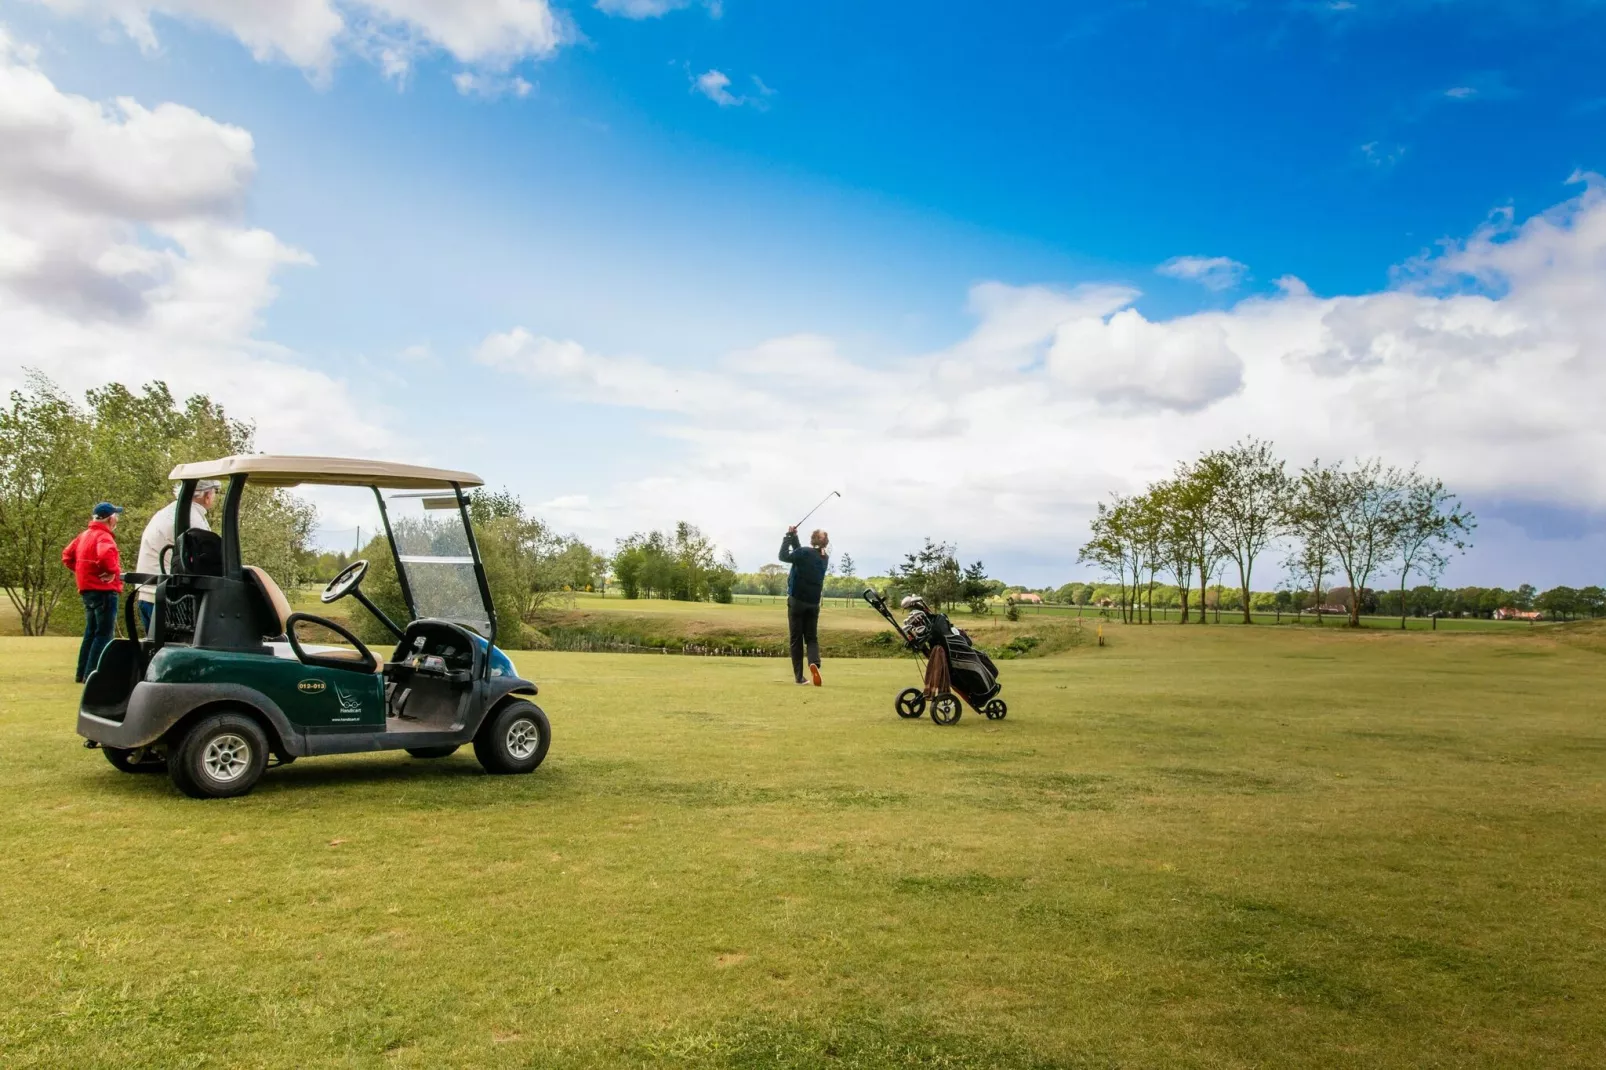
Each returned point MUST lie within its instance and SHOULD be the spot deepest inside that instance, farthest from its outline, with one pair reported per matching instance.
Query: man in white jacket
(158, 536)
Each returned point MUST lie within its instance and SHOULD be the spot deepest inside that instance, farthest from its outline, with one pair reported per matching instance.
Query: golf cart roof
(286, 471)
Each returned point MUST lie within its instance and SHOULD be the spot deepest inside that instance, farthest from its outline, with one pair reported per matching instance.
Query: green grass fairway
(1193, 847)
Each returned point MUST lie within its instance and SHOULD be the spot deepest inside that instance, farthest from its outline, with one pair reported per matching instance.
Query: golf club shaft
(811, 512)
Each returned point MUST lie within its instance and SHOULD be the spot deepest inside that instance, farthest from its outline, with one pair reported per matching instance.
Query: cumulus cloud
(123, 257)
(311, 34)
(1211, 272)
(1476, 362)
(715, 85)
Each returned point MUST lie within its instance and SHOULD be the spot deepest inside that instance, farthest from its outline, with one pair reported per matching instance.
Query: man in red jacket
(96, 565)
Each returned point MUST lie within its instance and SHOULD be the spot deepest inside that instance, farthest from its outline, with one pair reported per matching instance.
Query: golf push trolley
(970, 676)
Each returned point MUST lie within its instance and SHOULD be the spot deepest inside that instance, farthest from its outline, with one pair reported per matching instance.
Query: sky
(976, 266)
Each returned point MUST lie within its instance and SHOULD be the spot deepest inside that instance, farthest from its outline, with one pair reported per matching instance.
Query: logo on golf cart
(311, 687)
(349, 703)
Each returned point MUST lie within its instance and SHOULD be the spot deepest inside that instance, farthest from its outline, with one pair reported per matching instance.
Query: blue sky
(671, 195)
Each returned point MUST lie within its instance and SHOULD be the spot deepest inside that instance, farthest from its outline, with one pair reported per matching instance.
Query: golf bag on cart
(956, 669)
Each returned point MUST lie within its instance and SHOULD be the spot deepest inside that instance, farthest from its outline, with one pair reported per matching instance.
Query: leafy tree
(1108, 548)
(1358, 509)
(975, 589)
(1194, 500)
(1251, 505)
(846, 567)
(1429, 522)
(45, 497)
(1592, 601)
(682, 565)
(1560, 602)
(773, 578)
(932, 572)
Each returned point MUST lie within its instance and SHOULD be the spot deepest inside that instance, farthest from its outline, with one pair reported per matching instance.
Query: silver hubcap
(522, 738)
(227, 757)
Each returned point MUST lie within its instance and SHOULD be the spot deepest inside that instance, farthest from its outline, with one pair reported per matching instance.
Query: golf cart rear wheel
(220, 757)
(433, 752)
(514, 739)
(945, 709)
(996, 710)
(137, 760)
(911, 703)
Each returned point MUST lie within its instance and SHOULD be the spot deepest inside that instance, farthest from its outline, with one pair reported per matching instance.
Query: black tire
(996, 710)
(911, 703)
(433, 752)
(945, 709)
(514, 739)
(220, 757)
(124, 762)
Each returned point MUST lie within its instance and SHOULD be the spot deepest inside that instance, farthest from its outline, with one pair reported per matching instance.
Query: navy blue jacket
(806, 582)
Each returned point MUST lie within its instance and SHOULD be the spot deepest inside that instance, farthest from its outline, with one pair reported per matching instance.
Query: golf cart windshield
(432, 544)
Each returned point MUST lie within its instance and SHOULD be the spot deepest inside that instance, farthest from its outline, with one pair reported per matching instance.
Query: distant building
(1507, 613)
(1028, 598)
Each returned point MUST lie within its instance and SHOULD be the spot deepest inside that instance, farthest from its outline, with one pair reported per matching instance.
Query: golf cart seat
(282, 621)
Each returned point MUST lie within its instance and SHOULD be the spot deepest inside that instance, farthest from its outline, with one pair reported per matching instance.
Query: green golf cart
(230, 680)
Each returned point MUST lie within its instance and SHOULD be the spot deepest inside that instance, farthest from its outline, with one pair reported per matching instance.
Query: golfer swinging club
(804, 586)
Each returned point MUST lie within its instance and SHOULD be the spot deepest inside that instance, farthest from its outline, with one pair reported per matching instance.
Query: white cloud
(653, 9)
(122, 257)
(715, 85)
(640, 9)
(1478, 363)
(1211, 272)
(311, 34)
(491, 86)
(1461, 92)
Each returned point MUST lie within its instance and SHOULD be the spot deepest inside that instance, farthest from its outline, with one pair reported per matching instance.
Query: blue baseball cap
(106, 509)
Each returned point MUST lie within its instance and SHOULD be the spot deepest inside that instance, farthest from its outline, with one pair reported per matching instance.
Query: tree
(1197, 486)
(1429, 522)
(1252, 493)
(1560, 602)
(976, 588)
(45, 497)
(1108, 546)
(1592, 601)
(772, 577)
(1176, 550)
(846, 567)
(1282, 601)
(933, 573)
(1359, 513)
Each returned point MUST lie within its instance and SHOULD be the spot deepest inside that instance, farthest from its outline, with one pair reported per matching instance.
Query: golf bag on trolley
(955, 668)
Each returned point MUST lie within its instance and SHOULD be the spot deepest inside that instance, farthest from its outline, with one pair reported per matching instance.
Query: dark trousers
(803, 621)
(100, 624)
(147, 610)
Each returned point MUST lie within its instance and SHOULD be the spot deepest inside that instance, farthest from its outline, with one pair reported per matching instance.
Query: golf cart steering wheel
(345, 583)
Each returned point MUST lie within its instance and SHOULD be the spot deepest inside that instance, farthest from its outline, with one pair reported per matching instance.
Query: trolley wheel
(945, 709)
(911, 703)
(996, 710)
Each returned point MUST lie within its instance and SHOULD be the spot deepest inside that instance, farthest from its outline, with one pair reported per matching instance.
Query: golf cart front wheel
(138, 760)
(514, 739)
(221, 757)
(911, 703)
(432, 752)
(945, 709)
(996, 710)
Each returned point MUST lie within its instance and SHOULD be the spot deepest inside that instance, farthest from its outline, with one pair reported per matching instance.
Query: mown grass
(1199, 847)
